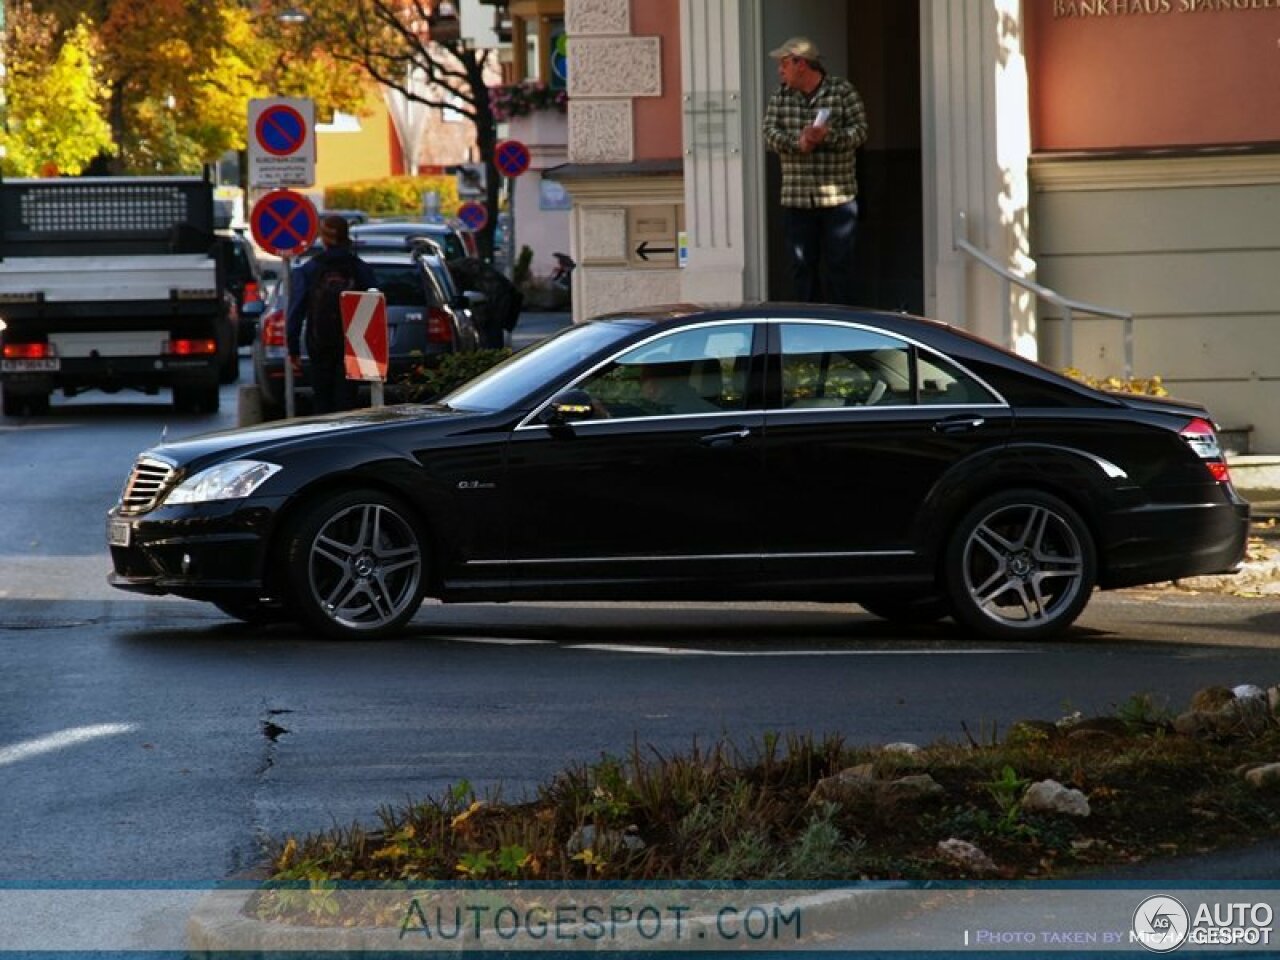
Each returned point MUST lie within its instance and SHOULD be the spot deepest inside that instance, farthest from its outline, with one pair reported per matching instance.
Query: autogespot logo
(1160, 923)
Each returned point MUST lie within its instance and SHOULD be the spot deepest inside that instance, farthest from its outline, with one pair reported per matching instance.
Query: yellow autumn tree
(53, 114)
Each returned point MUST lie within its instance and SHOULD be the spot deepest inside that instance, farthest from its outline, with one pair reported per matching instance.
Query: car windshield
(517, 377)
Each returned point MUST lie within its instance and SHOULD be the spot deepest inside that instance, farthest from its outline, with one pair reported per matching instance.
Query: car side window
(829, 365)
(940, 381)
(825, 365)
(688, 372)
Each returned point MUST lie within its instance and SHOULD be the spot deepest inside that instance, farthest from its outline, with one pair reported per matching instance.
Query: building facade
(1123, 153)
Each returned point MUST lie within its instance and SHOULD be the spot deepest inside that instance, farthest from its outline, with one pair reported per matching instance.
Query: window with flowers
(525, 98)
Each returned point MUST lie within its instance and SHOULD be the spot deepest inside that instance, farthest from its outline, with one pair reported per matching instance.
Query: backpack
(334, 275)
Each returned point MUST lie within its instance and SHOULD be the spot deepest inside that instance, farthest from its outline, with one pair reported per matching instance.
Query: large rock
(1234, 718)
(1268, 775)
(857, 785)
(1049, 796)
(964, 854)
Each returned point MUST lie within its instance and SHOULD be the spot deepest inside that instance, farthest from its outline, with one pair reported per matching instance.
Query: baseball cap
(801, 47)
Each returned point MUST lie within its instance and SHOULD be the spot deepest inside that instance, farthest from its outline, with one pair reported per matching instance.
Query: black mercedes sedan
(770, 451)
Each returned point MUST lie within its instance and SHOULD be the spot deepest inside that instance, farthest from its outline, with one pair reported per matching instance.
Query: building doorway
(876, 44)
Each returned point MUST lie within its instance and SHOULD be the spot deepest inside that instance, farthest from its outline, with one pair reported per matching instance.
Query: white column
(721, 156)
(976, 138)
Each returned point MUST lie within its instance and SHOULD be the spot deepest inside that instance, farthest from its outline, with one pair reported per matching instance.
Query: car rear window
(402, 285)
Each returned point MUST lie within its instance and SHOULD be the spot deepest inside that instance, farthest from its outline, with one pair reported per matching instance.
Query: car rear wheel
(1020, 566)
(918, 610)
(356, 565)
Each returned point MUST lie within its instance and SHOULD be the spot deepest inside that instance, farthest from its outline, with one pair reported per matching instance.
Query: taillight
(1203, 439)
(273, 329)
(191, 348)
(28, 351)
(439, 326)
(251, 294)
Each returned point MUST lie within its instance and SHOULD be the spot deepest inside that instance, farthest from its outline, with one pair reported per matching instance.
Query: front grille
(148, 481)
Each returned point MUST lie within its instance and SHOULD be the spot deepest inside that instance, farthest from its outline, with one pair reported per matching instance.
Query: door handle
(953, 425)
(725, 438)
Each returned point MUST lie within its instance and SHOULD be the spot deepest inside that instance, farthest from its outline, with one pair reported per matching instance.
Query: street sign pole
(287, 280)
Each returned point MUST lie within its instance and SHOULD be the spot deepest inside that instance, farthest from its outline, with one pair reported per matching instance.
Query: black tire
(197, 399)
(252, 610)
(356, 564)
(229, 369)
(1020, 566)
(917, 610)
(269, 408)
(32, 404)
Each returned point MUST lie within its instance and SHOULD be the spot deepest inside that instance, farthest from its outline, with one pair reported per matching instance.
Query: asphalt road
(156, 740)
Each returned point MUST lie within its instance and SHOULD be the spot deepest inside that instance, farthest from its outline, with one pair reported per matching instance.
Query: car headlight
(226, 481)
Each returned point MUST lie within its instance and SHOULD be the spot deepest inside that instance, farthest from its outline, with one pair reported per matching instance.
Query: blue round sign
(281, 130)
(474, 215)
(284, 222)
(511, 157)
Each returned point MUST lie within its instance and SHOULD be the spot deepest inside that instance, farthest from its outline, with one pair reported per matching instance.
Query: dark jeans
(331, 390)
(820, 242)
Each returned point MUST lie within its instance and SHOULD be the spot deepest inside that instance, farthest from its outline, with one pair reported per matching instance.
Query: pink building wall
(1117, 74)
(659, 120)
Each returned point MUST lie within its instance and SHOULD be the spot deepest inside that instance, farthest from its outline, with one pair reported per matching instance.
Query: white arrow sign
(364, 320)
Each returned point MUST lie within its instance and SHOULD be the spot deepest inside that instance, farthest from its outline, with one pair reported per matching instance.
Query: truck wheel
(229, 371)
(33, 404)
(198, 399)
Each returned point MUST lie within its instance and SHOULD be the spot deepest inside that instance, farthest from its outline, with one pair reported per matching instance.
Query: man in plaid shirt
(815, 122)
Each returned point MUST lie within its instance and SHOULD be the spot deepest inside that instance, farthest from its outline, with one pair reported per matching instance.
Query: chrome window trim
(819, 555)
(1001, 402)
(526, 423)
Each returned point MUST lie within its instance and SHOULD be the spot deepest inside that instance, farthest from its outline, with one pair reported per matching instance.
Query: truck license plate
(118, 533)
(31, 365)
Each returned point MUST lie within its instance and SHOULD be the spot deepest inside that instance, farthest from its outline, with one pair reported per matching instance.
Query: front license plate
(118, 533)
(32, 365)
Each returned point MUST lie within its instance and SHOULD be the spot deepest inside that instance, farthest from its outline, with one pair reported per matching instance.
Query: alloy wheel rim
(1023, 565)
(365, 566)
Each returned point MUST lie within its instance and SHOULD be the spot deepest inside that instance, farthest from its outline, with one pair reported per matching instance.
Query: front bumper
(199, 551)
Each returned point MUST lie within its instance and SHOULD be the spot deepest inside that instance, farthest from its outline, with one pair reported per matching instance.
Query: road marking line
(26, 749)
(697, 652)
(505, 641)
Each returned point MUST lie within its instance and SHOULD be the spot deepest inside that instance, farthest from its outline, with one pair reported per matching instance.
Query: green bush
(393, 196)
(424, 384)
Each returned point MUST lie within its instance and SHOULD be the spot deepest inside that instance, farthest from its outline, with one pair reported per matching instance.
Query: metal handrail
(1068, 306)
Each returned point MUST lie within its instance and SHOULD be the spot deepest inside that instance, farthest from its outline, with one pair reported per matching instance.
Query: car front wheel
(356, 565)
(1020, 566)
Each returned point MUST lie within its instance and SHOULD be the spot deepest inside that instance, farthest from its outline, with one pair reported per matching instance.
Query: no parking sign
(282, 142)
(283, 222)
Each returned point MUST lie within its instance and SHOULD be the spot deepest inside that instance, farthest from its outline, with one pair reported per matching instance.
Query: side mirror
(571, 406)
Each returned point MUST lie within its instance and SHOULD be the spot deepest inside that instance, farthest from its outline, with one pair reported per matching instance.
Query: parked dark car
(427, 317)
(245, 281)
(765, 452)
(452, 236)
